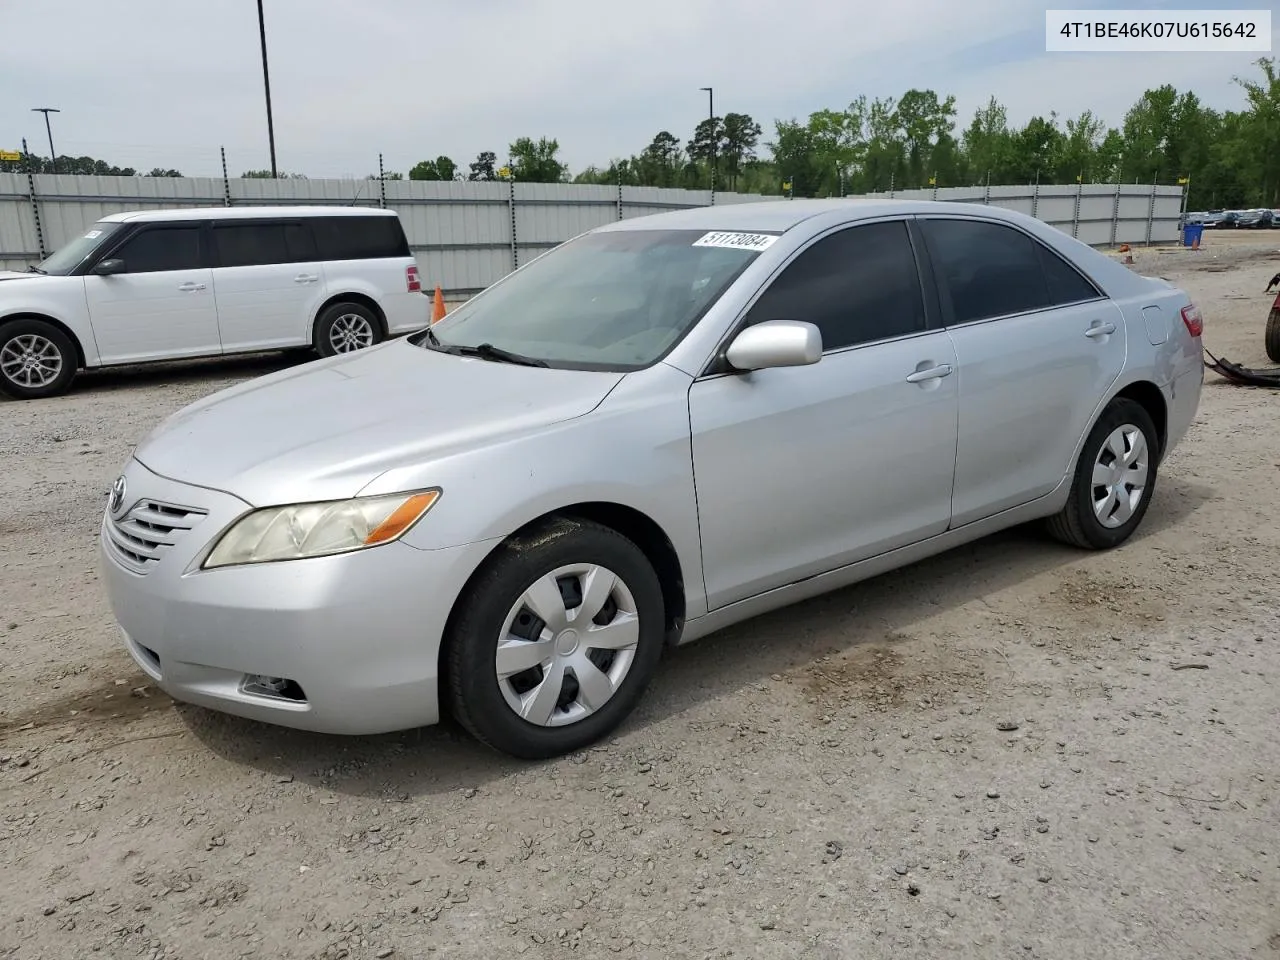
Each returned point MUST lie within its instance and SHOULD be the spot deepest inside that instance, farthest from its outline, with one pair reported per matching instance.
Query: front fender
(66, 305)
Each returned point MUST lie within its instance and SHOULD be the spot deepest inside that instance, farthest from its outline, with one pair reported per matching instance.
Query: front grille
(140, 538)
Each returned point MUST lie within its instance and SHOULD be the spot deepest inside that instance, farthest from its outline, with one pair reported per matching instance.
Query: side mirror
(775, 343)
(108, 267)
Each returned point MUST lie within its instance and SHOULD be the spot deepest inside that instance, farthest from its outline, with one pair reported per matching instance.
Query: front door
(162, 305)
(268, 281)
(1039, 347)
(801, 470)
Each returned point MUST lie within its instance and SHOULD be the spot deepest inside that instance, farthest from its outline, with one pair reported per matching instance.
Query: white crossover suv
(169, 284)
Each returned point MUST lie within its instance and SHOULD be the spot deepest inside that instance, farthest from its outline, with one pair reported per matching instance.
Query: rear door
(1038, 348)
(268, 281)
(162, 304)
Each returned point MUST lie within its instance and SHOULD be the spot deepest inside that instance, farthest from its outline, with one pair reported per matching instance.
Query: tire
(345, 327)
(24, 342)
(1078, 524)
(1273, 335)
(494, 607)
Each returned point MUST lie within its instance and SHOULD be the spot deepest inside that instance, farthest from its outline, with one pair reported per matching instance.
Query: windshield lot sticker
(93, 235)
(735, 241)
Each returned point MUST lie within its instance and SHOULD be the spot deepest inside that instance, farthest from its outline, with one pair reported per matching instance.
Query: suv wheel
(36, 360)
(555, 640)
(346, 327)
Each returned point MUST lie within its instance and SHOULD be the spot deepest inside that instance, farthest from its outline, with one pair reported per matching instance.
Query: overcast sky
(166, 82)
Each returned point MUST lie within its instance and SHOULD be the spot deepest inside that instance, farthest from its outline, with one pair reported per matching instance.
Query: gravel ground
(1014, 750)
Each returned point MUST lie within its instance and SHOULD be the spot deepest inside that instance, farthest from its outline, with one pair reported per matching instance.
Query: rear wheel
(1114, 479)
(555, 640)
(346, 327)
(36, 360)
(1273, 335)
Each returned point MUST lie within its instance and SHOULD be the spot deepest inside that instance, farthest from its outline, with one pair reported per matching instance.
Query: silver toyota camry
(654, 430)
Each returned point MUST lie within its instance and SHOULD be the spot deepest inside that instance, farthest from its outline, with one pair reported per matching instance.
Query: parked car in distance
(659, 428)
(168, 284)
(1254, 219)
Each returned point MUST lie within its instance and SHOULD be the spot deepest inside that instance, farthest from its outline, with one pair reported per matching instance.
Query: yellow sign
(786, 184)
(13, 155)
(1184, 179)
(504, 172)
(933, 181)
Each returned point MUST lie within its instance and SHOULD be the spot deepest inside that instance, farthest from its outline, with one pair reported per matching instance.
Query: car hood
(326, 429)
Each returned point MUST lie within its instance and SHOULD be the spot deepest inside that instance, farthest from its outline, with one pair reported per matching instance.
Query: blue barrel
(1191, 234)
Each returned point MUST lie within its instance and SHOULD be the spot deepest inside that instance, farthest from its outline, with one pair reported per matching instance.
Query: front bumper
(358, 633)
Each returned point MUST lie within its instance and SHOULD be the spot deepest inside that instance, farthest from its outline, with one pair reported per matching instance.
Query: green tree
(266, 175)
(441, 168)
(739, 137)
(535, 161)
(1261, 135)
(483, 167)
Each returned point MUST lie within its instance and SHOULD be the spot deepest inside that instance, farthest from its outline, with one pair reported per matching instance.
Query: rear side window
(857, 285)
(991, 270)
(156, 249)
(359, 238)
(256, 244)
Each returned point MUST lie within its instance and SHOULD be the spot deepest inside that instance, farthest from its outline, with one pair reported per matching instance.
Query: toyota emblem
(117, 496)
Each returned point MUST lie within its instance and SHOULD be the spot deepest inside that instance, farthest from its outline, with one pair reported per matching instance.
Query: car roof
(778, 216)
(239, 213)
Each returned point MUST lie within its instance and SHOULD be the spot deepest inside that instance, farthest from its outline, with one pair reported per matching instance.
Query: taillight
(1192, 318)
(1276, 305)
(412, 282)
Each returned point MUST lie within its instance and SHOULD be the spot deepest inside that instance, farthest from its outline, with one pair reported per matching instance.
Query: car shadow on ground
(175, 372)
(441, 759)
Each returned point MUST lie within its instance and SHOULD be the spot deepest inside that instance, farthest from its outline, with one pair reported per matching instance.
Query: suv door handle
(933, 373)
(305, 278)
(188, 287)
(1100, 330)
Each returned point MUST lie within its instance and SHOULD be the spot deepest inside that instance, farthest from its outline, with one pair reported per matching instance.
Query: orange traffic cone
(437, 310)
(1195, 244)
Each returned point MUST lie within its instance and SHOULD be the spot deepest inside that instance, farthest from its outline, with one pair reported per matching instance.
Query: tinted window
(161, 248)
(250, 244)
(857, 285)
(1066, 283)
(990, 270)
(359, 238)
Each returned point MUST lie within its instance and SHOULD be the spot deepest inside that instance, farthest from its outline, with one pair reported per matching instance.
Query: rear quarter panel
(383, 281)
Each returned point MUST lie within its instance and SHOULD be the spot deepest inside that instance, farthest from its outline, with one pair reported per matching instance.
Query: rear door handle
(1100, 330)
(305, 278)
(188, 287)
(933, 373)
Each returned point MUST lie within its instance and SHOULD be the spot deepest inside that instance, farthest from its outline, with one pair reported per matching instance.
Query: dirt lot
(1015, 750)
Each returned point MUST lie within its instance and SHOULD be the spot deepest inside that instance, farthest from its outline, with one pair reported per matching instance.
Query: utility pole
(266, 83)
(53, 156)
(715, 137)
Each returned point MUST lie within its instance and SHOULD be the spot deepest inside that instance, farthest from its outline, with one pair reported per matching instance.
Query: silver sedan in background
(658, 428)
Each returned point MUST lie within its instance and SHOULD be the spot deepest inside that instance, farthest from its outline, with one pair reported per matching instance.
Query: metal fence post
(1075, 221)
(619, 194)
(891, 190)
(382, 184)
(1035, 197)
(986, 193)
(226, 181)
(1151, 211)
(1115, 213)
(35, 204)
(511, 205)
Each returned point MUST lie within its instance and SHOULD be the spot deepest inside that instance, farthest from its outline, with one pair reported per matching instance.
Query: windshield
(615, 300)
(72, 254)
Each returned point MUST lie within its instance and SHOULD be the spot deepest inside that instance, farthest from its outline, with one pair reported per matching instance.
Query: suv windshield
(616, 300)
(72, 254)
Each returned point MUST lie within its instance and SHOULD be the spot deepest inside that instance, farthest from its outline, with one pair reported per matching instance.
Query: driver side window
(857, 285)
(158, 249)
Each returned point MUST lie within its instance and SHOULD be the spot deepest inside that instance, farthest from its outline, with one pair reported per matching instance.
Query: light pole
(266, 83)
(53, 156)
(711, 112)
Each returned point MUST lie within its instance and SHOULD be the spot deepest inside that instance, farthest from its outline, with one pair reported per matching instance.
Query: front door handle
(305, 278)
(932, 373)
(188, 287)
(1100, 330)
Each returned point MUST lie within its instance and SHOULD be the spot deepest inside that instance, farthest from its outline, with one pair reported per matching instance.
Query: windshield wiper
(487, 351)
(34, 269)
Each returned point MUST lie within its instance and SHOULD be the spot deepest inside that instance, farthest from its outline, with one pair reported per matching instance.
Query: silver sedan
(657, 429)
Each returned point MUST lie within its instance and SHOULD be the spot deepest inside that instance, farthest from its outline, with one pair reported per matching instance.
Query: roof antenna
(359, 190)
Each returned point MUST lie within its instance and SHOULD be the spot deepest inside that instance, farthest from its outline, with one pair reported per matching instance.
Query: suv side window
(359, 238)
(159, 248)
(249, 243)
(857, 285)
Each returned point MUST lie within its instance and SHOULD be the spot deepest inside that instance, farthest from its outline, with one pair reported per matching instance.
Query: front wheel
(555, 640)
(345, 328)
(1114, 479)
(36, 360)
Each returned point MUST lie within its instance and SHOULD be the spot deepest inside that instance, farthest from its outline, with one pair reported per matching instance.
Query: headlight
(319, 529)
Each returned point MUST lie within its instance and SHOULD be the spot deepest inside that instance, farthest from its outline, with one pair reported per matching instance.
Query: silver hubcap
(567, 645)
(350, 332)
(30, 360)
(1120, 476)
